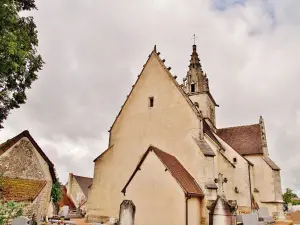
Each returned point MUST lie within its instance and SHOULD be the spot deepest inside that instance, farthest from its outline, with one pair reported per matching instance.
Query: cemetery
(172, 157)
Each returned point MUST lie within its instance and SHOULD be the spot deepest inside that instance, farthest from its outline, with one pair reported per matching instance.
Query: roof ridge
(239, 126)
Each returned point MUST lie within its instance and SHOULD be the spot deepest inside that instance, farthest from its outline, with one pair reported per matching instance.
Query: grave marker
(127, 213)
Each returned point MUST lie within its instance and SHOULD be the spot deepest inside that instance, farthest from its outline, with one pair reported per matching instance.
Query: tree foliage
(288, 195)
(56, 192)
(19, 60)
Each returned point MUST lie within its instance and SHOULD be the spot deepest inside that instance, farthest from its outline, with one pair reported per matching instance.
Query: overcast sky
(94, 50)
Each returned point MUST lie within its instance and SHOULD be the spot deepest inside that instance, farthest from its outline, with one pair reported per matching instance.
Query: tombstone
(250, 219)
(22, 220)
(64, 212)
(127, 213)
(222, 211)
(290, 206)
(263, 213)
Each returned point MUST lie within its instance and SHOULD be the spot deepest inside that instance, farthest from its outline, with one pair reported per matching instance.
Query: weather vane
(194, 37)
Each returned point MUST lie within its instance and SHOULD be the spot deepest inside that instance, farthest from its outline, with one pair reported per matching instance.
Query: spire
(195, 61)
(196, 79)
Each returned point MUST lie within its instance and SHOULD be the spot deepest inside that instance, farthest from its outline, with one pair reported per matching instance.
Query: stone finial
(154, 49)
(127, 213)
(263, 135)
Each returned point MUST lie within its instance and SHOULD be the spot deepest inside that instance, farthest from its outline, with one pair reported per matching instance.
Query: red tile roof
(18, 190)
(9, 143)
(246, 140)
(180, 174)
(66, 200)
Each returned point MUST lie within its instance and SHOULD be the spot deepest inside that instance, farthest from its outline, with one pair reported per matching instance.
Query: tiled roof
(65, 200)
(246, 140)
(84, 183)
(180, 174)
(270, 163)
(18, 190)
(204, 147)
(9, 143)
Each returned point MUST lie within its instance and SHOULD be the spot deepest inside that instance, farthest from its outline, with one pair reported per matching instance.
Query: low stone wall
(243, 210)
(96, 219)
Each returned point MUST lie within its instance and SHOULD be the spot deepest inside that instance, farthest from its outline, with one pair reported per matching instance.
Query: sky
(95, 49)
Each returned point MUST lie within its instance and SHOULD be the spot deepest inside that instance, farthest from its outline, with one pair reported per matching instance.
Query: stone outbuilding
(27, 174)
(77, 190)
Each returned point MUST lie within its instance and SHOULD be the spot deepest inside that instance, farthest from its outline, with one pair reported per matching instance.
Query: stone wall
(21, 161)
(277, 185)
(74, 191)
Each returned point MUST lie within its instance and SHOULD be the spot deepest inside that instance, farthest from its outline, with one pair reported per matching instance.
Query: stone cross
(127, 213)
(194, 37)
(220, 180)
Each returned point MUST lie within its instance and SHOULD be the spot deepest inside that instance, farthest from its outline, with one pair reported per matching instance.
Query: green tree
(288, 195)
(56, 192)
(19, 60)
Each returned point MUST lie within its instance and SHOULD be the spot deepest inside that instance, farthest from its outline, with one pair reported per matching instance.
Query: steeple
(196, 86)
(196, 80)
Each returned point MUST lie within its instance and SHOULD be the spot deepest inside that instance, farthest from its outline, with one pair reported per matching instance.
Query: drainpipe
(187, 197)
(250, 188)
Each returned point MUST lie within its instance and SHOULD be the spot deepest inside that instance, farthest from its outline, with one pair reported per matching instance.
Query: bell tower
(196, 87)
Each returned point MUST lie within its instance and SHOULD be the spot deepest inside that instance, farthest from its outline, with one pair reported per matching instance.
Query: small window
(234, 160)
(192, 87)
(151, 102)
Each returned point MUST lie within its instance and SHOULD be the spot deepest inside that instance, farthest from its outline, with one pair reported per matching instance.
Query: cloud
(94, 51)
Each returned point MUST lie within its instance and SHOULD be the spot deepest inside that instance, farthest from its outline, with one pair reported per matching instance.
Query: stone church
(166, 154)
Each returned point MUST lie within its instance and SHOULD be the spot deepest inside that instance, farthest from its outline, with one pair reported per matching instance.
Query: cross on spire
(194, 37)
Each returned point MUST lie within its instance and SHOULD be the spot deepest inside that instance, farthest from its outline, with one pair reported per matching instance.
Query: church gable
(21, 157)
(175, 168)
(153, 76)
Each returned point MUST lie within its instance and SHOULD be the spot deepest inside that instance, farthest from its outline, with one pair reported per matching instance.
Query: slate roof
(19, 190)
(10, 142)
(204, 147)
(246, 140)
(176, 169)
(66, 200)
(270, 163)
(84, 183)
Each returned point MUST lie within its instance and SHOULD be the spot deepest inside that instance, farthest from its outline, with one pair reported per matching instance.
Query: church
(167, 154)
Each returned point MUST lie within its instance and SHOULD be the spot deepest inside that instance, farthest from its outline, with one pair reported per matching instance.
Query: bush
(10, 210)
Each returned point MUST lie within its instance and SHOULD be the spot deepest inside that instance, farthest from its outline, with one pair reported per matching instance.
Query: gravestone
(65, 211)
(22, 220)
(263, 213)
(127, 213)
